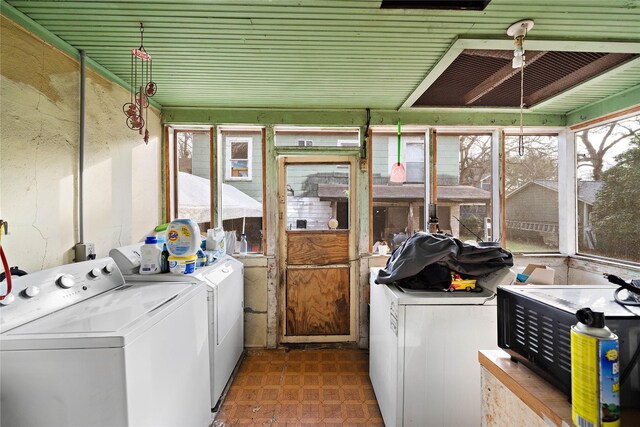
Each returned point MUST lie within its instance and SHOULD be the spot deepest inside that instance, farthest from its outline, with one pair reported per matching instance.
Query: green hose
(399, 141)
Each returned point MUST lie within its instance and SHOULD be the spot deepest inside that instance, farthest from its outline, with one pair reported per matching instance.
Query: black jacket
(424, 249)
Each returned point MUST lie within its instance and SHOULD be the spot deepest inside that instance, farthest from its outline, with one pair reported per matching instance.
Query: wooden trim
(543, 399)
(434, 168)
(282, 161)
(606, 118)
(370, 178)
(167, 177)
(503, 186)
(282, 249)
(175, 174)
(264, 190)
(213, 182)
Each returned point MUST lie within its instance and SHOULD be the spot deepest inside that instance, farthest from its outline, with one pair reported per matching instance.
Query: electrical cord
(630, 365)
(633, 287)
(7, 270)
(5, 264)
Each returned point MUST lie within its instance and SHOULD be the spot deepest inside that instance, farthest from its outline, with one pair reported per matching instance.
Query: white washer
(79, 347)
(423, 353)
(225, 297)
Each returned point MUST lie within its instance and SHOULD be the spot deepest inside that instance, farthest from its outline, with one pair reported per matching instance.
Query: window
(298, 136)
(238, 158)
(411, 156)
(608, 175)
(192, 168)
(531, 194)
(242, 193)
(398, 210)
(463, 185)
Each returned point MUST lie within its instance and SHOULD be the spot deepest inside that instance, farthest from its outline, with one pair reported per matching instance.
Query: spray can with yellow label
(595, 372)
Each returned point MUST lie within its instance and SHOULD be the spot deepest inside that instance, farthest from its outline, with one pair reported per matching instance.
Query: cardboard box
(538, 274)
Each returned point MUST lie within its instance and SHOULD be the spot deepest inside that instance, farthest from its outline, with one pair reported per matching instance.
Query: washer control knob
(8, 300)
(66, 281)
(94, 273)
(31, 291)
(108, 269)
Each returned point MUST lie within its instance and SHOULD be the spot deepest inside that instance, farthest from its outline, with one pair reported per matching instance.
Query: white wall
(39, 133)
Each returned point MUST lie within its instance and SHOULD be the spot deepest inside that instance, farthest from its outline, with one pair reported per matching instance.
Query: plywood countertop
(543, 398)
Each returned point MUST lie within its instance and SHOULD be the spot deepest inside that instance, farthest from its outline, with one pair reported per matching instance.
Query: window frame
(572, 132)
(507, 133)
(227, 142)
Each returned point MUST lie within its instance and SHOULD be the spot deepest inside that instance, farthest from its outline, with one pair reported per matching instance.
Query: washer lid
(112, 319)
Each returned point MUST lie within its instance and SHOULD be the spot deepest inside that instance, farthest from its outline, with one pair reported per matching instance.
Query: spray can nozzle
(595, 319)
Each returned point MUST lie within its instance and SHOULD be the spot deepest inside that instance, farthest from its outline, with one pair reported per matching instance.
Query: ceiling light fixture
(142, 88)
(519, 31)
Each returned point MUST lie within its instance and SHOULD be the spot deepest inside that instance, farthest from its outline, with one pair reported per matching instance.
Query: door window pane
(463, 178)
(531, 189)
(317, 196)
(608, 185)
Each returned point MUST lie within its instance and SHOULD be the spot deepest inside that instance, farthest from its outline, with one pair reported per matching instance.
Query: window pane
(463, 168)
(398, 210)
(317, 137)
(609, 190)
(239, 150)
(317, 193)
(241, 204)
(194, 193)
(532, 194)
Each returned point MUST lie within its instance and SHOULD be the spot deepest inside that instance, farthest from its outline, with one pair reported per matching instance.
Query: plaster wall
(39, 138)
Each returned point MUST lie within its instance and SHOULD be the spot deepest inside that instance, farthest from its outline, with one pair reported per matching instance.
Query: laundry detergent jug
(183, 237)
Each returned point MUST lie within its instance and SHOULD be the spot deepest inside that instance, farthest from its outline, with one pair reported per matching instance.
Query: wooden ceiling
(318, 54)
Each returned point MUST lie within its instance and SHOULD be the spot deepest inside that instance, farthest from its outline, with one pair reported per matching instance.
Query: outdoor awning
(194, 200)
(411, 192)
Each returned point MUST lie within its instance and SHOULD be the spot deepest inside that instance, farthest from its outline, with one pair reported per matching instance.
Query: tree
(594, 144)
(616, 210)
(475, 159)
(539, 162)
(185, 145)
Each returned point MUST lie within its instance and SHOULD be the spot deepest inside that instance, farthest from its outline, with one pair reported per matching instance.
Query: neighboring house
(543, 220)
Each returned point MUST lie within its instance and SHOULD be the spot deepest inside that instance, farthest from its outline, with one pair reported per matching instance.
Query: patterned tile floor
(301, 387)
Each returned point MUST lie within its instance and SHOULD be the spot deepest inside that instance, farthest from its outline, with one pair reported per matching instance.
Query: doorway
(317, 292)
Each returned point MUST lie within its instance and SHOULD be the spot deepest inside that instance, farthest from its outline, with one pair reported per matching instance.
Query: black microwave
(534, 323)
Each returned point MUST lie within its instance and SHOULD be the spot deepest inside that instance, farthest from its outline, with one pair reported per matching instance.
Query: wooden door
(317, 246)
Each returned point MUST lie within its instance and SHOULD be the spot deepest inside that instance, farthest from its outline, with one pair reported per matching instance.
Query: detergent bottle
(183, 237)
(150, 256)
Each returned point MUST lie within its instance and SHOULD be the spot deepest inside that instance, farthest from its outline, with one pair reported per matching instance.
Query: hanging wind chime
(142, 88)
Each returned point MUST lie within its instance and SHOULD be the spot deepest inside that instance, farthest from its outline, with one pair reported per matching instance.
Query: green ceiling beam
(48, 37)
(619, 102)
(196, 116)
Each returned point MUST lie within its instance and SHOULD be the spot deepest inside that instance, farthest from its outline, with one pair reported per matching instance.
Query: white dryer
(225, 297)
(79, 347)
(423, 352)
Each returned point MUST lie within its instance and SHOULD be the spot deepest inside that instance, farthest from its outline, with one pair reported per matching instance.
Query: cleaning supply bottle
(243, 244)
(150, 254)
(164, 259)
(595, 372)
